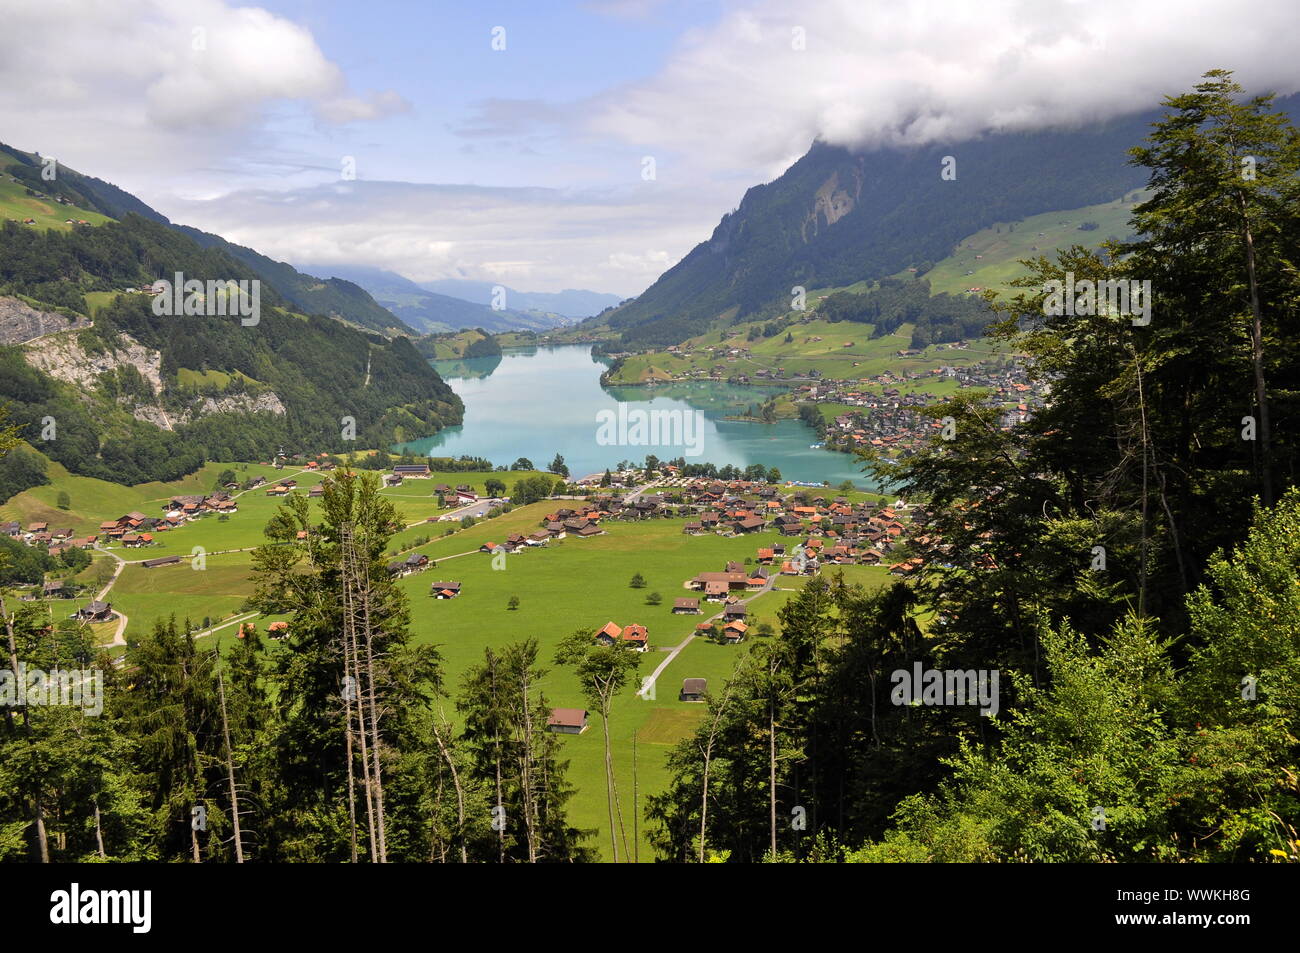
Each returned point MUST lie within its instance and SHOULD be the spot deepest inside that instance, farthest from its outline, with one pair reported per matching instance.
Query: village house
(693, 689)
(445, 590)
(734, 631)
(95, 612)
(567, 721)
(161, 561)
(418, 471)
(686, 607)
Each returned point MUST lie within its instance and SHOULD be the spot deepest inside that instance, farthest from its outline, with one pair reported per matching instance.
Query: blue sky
(439, 57)
(604, 142)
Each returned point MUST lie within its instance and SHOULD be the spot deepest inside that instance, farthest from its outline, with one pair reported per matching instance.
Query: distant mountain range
(570, 303)
(838, 216)
(452, 304)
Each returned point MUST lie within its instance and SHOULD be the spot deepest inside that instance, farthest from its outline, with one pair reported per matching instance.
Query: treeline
(335, 745)
(317, 368)
(936, 319)
(1124, 562)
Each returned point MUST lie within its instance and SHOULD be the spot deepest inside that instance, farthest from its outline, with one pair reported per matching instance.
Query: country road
(652, 679)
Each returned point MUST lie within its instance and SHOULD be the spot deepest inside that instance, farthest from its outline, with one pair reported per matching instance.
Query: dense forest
(319, 369)
(1126, 560)
(307, 294)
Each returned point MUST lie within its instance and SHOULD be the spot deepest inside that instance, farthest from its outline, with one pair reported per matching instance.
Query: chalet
(515, 542)
(442, 488)
(555, 530)
(418, 471)
(61, 533)
(393, 479)
(56, 590)
(734, 632)
(749, 524)
(38, 527)
(316, 491)
(591, 529)
(609, 633)
(637, 637)
(11, 529)
(693, 689)
(715, 591)
(412, 563)
(734, 610)
(686, 607)
(95, 612)
(445, 590)
(161, 561)
(730, 580)
(489, 547)
(539, 538)
(567, 721)
(693, 529)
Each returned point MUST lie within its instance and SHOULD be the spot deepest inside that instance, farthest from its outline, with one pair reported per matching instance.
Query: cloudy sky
(551, 145)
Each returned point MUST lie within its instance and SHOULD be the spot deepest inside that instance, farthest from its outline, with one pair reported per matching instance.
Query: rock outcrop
(20, 322)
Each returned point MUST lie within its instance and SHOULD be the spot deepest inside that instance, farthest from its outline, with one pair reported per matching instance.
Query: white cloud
(741, 95)
(235, 136)
(533, 239)
(163, 84)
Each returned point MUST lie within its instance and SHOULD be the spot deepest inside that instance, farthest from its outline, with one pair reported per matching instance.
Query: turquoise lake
(536, 402)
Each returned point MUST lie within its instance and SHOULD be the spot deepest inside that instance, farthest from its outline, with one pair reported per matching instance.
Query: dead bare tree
(707, 751)
(230, 766)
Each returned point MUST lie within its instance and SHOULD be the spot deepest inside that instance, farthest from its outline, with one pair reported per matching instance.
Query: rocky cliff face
(63, 358)
(20, 323)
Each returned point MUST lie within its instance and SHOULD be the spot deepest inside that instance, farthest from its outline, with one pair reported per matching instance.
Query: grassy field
(841, 350)
(17, 204)
(992, 255)
(568, 585)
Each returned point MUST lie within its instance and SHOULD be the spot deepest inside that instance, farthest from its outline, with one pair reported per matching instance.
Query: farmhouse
(161, 561)
(445, 590)
(567, 721)
(418, 471)
(686, 607)
(609, 633)
(733, 632)
(693, 689)
(95, 612)
(56, 590)
(734, 610)
(637, 637)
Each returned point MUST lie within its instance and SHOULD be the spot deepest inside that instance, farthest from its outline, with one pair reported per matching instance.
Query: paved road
(653, 677)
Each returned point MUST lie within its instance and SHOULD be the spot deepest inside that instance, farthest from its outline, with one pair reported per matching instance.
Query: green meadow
(564, 586)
